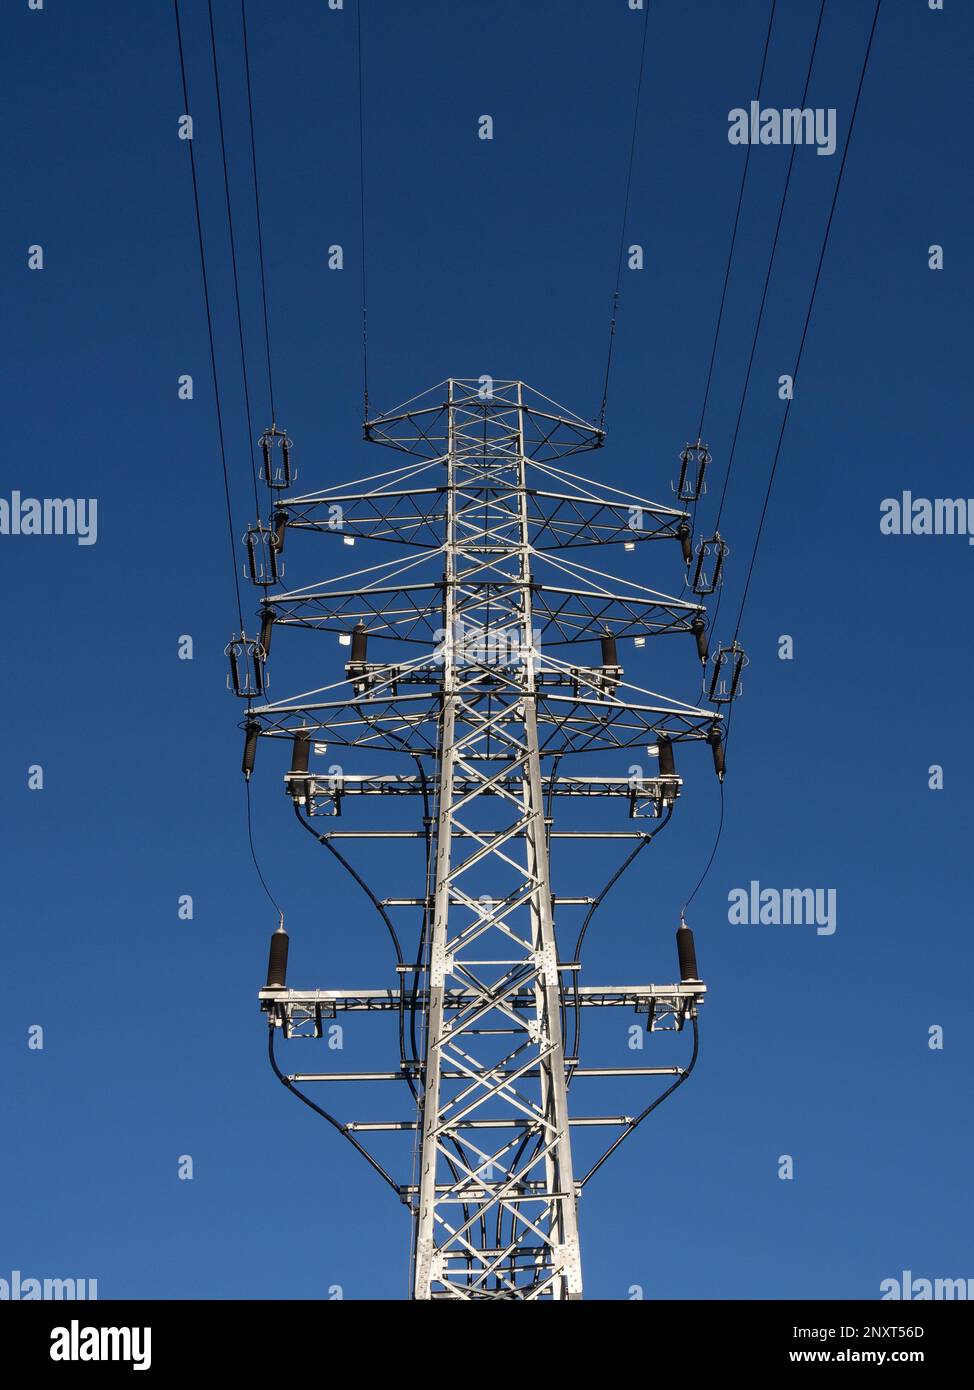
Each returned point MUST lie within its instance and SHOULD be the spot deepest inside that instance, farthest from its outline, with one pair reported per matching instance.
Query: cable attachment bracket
(725, 683)
(275, 454)
(264, 563)
(709, 570)
(247, 676)
(694, 462)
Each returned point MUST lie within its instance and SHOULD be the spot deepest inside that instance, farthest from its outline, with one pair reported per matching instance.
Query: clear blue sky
(485, 257)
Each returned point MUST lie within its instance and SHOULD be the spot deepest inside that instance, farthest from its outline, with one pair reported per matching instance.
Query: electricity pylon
(485, 711)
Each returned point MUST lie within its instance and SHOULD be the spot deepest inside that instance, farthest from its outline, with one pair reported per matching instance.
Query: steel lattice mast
(486, 711)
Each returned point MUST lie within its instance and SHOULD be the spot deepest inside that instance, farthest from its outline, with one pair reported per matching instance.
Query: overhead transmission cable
(788, 402)
(625, 218)
(253, 855)
(361, 180)
(764, 292)
(740, 410)
(209, 328)
(733, 240)
(216, 397)
(727, 270)
(257, 213)
(243, 366)
(808, 316)
(744, 390)
(233, 254)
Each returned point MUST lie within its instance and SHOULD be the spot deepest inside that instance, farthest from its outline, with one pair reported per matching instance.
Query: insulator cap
(686, 541)
(610, 651)
(360, 643)
(277, 960)
(717, 748)
(686, 951)
(699, 629)
(667, 764)
(252, 730)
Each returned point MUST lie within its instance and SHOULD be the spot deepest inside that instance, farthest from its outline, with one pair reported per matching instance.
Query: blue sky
(485, 257)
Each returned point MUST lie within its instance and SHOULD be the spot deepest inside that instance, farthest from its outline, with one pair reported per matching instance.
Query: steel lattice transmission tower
(485, 712)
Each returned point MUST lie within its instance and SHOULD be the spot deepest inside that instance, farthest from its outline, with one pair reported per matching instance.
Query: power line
(787, 409)
(260, 237)
(216, 396)
(733, 240)
(625, 218)
(253, 855)
(727, 270)
(209, 327)
(767, 282)
(713, 852)
(361, 169)
(740, 409)
(808, 316)
(233, 254)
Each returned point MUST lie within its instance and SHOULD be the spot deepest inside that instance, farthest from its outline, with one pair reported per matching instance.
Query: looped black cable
(343, 1130)
(324, 840)
(400, 960)
(647, 839)
(633, 1125)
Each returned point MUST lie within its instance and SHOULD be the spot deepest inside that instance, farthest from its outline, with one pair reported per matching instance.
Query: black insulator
(298, 784)
(667, 765)
(686, 541)
(267, 629)
(717, 748)
(300, 752)
(234, 670)
(610, 654)
(286, 460)
(699, 629)
(360, 643)
(277, 961)
(258, 666)
(250, 748)
(265, 450)
(252, 558)
(272, 550)
(715, 548)
(687, 954)
(735, 654)
(280, 524)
